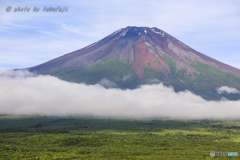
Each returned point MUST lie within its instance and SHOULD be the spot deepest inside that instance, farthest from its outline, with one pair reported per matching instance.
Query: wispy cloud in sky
(27, 39)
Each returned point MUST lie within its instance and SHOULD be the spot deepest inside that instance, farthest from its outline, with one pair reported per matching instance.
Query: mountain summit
(133, 56)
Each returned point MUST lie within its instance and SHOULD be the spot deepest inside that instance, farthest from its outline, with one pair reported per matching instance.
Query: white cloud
(16, 74)
(2, 70)
(228, 90)
(46, 95)
(107, 83)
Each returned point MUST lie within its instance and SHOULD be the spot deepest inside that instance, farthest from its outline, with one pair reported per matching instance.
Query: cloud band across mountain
(49, 96)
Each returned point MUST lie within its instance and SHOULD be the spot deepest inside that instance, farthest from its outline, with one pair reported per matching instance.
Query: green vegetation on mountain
(205, 84)
(121, 75)
(156, 58)
(210, 79)
(171, 63)
(113, 69)
(181, 73)
(150, 74)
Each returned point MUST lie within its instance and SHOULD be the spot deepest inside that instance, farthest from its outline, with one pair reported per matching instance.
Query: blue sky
(28, 39)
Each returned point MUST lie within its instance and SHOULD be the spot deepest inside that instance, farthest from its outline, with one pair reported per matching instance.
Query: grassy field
(24, 137)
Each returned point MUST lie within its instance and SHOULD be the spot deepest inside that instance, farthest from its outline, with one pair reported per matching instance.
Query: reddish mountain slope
(138, 47)
(145, 51)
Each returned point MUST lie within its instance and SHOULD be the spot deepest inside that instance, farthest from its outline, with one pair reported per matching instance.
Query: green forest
(40, 138)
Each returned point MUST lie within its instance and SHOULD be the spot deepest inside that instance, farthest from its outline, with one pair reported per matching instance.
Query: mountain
(133, 56)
